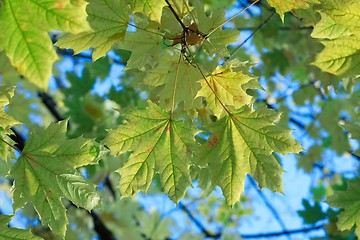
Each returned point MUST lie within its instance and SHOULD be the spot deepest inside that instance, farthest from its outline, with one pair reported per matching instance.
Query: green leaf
(26, 41)
(340, 22)
(14, 233)
(343, 13)
(349, 201)
(217, 38)
(243, 143)
(176, 75)
(311, 214)
(151, 8)
(141, 42)
(224, 86)
(327, 27)
(109, 20)
(158, 143)
(46, 172)
(283, 6)
(340, 57)
(6, 93)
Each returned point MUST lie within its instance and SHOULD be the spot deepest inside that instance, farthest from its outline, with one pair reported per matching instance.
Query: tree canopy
(103, 99)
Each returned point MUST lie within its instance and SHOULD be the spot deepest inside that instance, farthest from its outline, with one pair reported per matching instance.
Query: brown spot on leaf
(213, 140)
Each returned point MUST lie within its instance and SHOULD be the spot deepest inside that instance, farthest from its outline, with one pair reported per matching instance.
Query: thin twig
(268, 205)
(13, 147)
(252, 34)
(282, 233)
(199, 225)
(177, 17)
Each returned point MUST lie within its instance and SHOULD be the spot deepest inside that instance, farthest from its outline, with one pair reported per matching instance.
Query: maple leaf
(339, 23)
(46, 172)
(14, 233)
(348, 200)
(243, 143)
(216, 38)
(343, 13)
(327, 27)
(109, 20)
(311, 214)
(26, 40)
(157, 143)
(224, 86)
(340, 56)
(283, 6)
(151, 8)
(141, 42)
(176, 75)
(6, 93)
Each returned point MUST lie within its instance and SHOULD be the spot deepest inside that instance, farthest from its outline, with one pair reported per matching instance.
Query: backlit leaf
(6, 93)
(283, 6)
(157, 144)
(224, 86)
(109, 20)
(176, 75)
(340, 56)
(26, 40)
(243, 143)
(46, 172)
(151, 8)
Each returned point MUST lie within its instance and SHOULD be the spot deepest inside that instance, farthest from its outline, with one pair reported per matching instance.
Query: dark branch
(268, 205)
(177, 17)
(50, 104)
(109, 185)
(18, 139)
(103, 232)
(199, 225)
(284, 28)
(282, 233)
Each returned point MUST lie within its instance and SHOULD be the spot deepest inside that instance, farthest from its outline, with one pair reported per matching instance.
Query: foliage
(188, 109)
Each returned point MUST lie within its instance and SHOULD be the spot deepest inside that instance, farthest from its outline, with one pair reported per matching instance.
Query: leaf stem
(144, 29)
(174, 90)
(207, 82)
(13, 147)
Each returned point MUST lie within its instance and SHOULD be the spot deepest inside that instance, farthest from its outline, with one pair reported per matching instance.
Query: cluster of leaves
(201, 120)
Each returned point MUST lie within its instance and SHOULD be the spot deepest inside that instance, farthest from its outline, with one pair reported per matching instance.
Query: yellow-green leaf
(157, 144)
(6, 93)
(26, 40)
(243, 143)
(109, 20)
(340, 56)
(151, 8)
(180, 80)
(224, 87)
(283, 6)
(327, 27)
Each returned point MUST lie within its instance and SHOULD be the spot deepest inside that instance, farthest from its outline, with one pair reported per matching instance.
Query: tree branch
(207, 233)
(282, 233)
(268, 205)
(50, 105)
